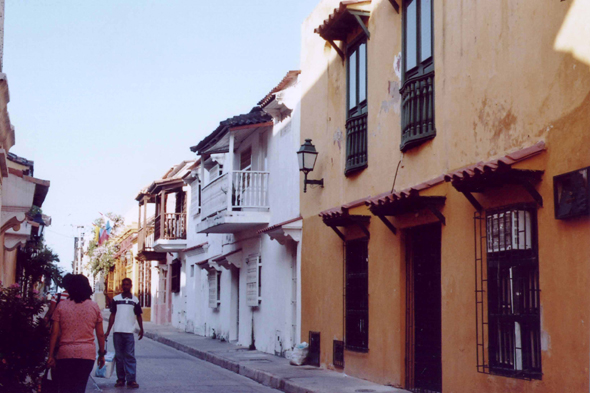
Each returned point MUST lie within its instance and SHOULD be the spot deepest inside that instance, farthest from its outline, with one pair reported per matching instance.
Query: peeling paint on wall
(393, 99)
(397, 66)
(338, 137)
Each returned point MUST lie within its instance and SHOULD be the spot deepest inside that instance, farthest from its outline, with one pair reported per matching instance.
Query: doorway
(423, 309)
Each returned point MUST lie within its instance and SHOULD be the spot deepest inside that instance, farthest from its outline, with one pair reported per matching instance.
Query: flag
(96, 233)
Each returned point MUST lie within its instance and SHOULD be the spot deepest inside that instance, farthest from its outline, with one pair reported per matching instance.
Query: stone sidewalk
(269, 370)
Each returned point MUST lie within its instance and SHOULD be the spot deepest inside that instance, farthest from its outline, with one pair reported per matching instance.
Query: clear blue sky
(106, 95)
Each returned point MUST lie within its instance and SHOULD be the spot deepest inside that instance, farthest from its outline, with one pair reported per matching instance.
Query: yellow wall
(499, 86)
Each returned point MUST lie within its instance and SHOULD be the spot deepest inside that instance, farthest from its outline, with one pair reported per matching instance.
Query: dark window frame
(357, 307)
(356, 117)
(175, 268)
(513, 296)
(417, 90)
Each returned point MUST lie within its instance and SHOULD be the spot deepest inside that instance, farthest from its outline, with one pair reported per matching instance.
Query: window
(418, 74)
(192, 270)
(357, 295)
(175, 277)
(513, 292)
(356, 120)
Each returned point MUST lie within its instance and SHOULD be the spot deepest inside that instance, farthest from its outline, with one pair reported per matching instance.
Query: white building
(239, 272)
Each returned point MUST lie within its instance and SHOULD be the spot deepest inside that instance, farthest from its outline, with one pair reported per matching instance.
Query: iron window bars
(357, 295)
(507, 295)
(356, 120)
(338, 354)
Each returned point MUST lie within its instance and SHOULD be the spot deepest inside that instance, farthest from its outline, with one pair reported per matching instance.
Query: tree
(102, 256)
(37, 264)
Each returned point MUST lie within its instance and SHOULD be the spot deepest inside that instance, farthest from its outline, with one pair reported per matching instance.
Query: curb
(262, 377)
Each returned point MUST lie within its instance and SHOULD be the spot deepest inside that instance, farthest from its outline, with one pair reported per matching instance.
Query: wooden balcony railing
(417, 111)
(171, 227)
(240, 190)
(145, 238)
(356, 143)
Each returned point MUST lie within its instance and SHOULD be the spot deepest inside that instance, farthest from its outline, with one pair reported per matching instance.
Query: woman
(75, 321)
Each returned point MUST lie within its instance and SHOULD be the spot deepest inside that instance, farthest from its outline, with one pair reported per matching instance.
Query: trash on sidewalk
(298, 355)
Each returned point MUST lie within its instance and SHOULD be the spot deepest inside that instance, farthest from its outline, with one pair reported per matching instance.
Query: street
(164, 369)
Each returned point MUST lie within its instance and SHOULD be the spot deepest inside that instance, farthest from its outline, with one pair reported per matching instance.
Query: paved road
(165, 370)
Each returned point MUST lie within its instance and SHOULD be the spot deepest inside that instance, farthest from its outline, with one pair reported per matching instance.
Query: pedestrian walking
(74, 322)
(58, 298)
(125, 310)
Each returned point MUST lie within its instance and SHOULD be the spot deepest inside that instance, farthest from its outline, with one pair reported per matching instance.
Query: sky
(107, 95)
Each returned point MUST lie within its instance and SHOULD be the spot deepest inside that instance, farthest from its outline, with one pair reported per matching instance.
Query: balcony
(244, 207)
(170, 232)
(356, 143)
(145, 244)
(417, 111)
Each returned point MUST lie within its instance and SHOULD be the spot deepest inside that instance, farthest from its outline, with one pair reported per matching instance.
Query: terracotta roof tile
(283, 84)
(324, 29)
(498, 163)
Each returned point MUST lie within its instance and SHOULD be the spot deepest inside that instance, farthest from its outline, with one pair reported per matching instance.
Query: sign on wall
(252, 281)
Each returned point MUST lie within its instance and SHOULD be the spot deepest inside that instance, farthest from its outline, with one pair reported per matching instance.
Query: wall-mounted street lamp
(307, 156)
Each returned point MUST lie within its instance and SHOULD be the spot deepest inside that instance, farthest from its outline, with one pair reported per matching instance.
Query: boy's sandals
(120, 383)
(132, 385)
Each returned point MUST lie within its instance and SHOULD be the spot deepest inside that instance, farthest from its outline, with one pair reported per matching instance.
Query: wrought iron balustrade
(417, 111)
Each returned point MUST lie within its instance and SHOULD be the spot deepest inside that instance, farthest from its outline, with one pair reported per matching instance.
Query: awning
(340, 217)
(496, 173)
(341, 22)
(406, 201)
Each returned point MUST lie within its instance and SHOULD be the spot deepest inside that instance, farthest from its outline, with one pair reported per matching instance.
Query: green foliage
(38, 263)
(25, 339)
(102, 256)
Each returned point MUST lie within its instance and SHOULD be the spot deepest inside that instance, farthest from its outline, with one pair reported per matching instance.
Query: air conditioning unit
(510, 230)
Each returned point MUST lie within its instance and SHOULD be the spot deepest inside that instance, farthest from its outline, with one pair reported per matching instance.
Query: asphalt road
(166, 370)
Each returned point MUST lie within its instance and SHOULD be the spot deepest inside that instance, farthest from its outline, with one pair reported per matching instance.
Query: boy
(125, 310)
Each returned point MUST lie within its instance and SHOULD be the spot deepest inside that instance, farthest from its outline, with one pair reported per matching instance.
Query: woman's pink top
(77, 322)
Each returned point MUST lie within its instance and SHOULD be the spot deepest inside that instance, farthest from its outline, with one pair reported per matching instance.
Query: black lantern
(307, 156)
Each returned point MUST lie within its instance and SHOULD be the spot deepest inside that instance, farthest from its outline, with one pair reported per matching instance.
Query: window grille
(338, 355)
(507, 292)
(314, 349)
(357, 295)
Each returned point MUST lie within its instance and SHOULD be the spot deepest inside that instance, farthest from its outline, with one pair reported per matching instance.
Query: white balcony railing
(238, 191)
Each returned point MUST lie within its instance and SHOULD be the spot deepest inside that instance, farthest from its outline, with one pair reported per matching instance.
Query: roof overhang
(341, 22)
(483, 176)
(340, 217)
(285, 232)
(232, 259)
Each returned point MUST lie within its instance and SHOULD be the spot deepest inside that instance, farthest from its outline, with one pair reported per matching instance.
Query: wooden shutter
(213, 278)
(252, 280)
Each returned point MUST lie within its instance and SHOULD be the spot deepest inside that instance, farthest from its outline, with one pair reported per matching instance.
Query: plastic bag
(107, 370)
(298, 355)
